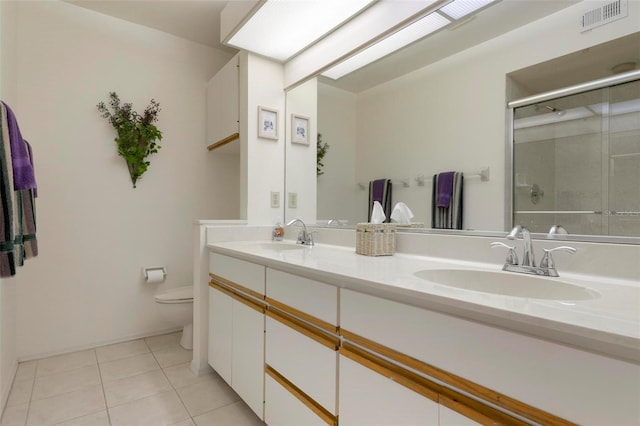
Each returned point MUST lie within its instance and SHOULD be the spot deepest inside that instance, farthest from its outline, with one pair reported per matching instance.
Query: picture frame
(267, 123)
(300, 128)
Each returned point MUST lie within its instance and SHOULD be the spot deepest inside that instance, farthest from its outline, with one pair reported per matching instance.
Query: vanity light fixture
(442, 17)
(460, 8)
(280, 29)
(404, 37)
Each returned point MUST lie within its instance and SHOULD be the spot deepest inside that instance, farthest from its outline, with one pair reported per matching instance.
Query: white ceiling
(195, 20)
(199, 21)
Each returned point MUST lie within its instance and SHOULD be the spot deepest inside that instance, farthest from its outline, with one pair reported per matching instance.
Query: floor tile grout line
(104, 393)
(35, 376)
(78, 417)
(173, 387)
(33, 385)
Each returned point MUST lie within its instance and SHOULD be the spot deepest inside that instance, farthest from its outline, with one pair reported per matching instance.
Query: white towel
(401, 214)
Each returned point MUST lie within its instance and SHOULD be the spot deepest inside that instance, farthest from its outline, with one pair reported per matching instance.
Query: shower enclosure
(576, 158)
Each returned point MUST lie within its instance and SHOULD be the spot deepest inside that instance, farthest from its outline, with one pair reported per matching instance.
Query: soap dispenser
(278, 232)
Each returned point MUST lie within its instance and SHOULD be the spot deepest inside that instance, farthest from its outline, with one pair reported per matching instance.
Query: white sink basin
(508, 284)
(282, 246)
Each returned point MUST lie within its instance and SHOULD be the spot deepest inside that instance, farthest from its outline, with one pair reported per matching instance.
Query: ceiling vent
(608, 11)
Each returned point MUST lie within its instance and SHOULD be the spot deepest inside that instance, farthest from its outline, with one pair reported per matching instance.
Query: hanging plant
(137, 135)
(322, 148)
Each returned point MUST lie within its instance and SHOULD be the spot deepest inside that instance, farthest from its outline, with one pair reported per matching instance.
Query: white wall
(451, 115)
(95, 231)
(301, 159)
(8, 295)
(337, 187)
(262, 160)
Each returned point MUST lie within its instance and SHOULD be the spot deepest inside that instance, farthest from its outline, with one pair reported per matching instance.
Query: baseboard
(97, 344)
(200, 370)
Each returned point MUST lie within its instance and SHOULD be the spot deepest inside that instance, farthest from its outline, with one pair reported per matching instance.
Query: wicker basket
(410, 225)
(376, 239)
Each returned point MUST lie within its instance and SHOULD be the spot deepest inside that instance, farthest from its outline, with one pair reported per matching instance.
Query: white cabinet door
(312, 297)
(248, 356)
(309, 365)
(220, 333)
(368, 398)
(281, 408)
(247, 274)
(213, 110)
(229, 98)
(223, 94)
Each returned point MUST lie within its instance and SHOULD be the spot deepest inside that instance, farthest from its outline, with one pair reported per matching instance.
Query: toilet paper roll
(155, 276)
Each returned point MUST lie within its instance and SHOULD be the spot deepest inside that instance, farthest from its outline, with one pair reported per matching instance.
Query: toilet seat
(176, 295)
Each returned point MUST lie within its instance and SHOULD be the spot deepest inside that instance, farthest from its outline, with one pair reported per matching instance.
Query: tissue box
(376, 239)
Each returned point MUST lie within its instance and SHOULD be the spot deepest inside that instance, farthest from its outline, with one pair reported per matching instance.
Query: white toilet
(178, 307)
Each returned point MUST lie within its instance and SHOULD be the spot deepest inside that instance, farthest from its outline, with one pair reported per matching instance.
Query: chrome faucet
(555, 231)
(528, 258)
(304, 236)
(547, 266)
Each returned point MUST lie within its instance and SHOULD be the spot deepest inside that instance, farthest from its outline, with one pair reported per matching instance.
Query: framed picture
(267, 123)
(299, 129)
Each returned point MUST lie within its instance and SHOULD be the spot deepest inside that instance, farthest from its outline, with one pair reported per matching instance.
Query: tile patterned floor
(145, 382)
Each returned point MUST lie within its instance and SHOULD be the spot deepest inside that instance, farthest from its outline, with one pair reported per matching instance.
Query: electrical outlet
(275, 200)
(293, 200)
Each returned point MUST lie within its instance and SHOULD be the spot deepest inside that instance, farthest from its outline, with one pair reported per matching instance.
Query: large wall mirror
(450, 113)
(576, 158)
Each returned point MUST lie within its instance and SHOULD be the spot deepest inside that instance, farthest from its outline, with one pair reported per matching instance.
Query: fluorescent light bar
(282, 28)
(398, 40)
(460, 8)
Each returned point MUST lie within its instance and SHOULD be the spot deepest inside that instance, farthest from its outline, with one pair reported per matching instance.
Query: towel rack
(405, 183)
(483, 174)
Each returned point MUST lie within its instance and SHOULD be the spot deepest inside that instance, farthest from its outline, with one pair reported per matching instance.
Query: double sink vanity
(436, 334)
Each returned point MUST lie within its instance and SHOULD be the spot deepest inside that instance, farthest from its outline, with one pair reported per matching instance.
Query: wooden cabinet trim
(225, 282)
(314, 406)
(457, 382)
(222, 142)
(251, 303)
(464, 405)
(330, 341)
(392, 371)
(331, 328)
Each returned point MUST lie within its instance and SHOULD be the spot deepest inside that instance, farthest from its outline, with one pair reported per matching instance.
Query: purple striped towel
(23, 176)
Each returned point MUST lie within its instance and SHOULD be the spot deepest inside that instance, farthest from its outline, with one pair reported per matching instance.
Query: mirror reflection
(451, 116)
(577, 162)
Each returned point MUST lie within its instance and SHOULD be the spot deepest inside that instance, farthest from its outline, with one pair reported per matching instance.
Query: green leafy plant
(322, 148)
(137, 135)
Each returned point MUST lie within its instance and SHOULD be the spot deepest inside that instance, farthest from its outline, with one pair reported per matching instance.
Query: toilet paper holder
(147, 269)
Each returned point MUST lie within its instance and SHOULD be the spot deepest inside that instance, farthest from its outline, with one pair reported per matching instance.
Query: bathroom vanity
(321, 335)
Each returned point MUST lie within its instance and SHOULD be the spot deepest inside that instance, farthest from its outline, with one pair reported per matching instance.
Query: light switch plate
(293, 200)
(275, 200)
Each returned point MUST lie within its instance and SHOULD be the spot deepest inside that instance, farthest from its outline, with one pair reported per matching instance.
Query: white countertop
(608, 324)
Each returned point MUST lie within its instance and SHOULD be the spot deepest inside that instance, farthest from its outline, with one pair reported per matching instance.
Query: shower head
(555, 110)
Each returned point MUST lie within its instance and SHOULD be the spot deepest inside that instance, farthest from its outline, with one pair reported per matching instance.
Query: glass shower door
(577, 162)
(623, 213)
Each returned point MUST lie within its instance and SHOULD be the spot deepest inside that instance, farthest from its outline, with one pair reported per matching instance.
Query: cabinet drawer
(308, 296)
(368, 398)
(246, 274)
(282, 408)
(309, 365)
(220, 337)
(497, 362)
